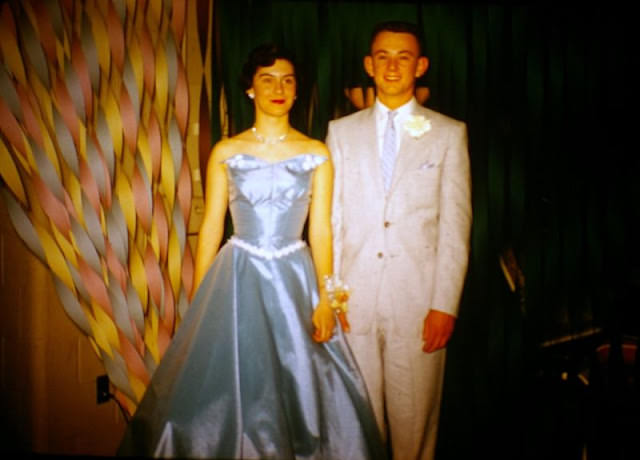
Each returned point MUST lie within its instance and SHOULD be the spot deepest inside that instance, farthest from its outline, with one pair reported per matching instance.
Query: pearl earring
(251, 95)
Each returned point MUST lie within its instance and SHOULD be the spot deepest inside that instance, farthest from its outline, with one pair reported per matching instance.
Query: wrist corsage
(338, 293)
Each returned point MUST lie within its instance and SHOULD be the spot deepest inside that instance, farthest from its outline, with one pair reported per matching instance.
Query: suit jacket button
(379, 255)
(387, 223)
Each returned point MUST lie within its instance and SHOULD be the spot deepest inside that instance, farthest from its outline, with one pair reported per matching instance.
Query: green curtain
(546, 94)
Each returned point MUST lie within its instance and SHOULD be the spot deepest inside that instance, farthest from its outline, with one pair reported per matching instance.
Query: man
(402, 218)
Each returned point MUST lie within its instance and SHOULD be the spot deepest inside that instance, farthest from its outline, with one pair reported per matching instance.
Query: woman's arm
(215, 209)
(320, 240)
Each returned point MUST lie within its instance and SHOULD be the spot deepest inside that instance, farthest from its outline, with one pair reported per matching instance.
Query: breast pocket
(427, 165)
(426, 176)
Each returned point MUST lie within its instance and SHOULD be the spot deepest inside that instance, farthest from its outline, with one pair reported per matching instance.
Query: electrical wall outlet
(102, 389)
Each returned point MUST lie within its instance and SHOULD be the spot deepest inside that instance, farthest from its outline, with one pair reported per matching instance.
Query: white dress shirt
(382, 113)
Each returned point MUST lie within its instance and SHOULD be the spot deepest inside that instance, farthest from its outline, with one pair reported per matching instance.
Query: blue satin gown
(242, 377)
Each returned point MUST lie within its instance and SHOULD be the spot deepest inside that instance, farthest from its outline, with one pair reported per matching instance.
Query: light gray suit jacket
(409, 247)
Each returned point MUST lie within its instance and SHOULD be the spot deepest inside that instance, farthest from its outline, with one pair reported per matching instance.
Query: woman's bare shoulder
(319, 148)
(226, 148)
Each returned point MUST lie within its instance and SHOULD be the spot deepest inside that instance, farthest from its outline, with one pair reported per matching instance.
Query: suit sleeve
(336, 212)
(454, 224)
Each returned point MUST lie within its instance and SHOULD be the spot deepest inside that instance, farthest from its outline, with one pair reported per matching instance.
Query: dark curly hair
(263, 56)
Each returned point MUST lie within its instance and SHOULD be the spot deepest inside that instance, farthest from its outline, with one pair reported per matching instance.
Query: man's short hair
(397, 27)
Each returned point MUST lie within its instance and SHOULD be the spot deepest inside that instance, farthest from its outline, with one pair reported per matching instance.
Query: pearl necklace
(265, 140)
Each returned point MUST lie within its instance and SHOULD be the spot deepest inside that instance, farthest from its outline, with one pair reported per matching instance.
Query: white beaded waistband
(266, 253)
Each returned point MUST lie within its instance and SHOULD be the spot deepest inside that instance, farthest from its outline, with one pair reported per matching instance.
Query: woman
(254, 370)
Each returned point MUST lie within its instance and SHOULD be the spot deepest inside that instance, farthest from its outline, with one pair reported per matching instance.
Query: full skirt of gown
(242, 377)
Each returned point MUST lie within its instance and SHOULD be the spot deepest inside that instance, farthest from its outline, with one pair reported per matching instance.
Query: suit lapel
(369, 146)
(412, 151)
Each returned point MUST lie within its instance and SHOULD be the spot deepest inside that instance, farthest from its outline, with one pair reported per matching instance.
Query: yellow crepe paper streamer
(154, 239)
(135, 58)
(174, 261)
(138, 276)
(52, 155)
(50, 149)
(82, 148)
(162, 83)
(151, 333)
(100, 38)
(137, 386)
(144, 150)
(74, 189)
(54, 256)
(44, 100)
(10, 174)
(167, 175)
(114, 122)
(125, 195)
(28, 163)
(106, 325)
(99, 336)
(67, 247)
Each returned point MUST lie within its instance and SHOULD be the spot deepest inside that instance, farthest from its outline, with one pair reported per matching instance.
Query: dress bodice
(269, 201)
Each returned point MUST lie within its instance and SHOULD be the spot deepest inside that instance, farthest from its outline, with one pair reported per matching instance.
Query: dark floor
(578, 400)
(585, 400)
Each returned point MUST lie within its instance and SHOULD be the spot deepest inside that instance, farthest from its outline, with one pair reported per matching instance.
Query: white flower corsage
(338, 293)
(417, 125)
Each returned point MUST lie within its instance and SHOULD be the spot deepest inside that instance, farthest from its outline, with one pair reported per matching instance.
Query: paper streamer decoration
(93, 129)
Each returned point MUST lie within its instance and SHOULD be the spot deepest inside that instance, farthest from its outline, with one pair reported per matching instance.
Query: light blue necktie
(389, 150)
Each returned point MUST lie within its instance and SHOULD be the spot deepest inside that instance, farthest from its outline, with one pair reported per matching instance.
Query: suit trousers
(404, 385)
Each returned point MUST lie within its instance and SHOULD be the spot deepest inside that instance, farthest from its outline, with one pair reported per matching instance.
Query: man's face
(395, 64)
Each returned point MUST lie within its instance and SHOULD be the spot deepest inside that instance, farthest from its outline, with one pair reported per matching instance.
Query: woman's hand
(324, 321)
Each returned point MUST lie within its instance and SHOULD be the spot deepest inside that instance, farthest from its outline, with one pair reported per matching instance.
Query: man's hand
(344, 322)
(438, 327)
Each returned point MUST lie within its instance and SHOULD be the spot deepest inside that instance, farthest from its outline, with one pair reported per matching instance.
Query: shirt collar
(403, 111)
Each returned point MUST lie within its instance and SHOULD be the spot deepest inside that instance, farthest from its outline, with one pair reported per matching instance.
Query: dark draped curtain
(546, 93)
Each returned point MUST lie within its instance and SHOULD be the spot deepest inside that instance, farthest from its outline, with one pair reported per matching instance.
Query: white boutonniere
(417, 125)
